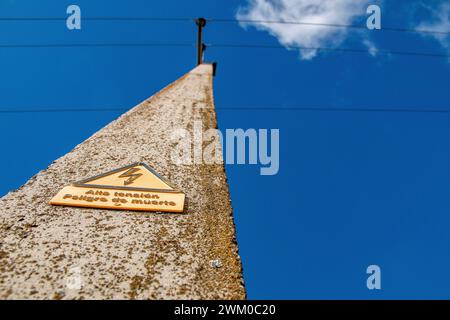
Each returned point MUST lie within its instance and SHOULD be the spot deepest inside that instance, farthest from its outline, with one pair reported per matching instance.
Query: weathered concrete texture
(126, 254)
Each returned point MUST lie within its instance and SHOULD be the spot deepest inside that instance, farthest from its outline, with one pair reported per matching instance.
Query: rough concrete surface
(57, 252)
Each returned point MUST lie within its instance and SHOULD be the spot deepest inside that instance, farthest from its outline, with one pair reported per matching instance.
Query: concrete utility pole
(58, 252)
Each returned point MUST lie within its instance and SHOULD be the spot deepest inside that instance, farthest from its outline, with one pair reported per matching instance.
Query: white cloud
(311, 11)
(373, 50)
(440, 22)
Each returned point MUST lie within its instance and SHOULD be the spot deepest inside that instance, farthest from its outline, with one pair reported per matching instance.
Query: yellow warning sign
(134, 187)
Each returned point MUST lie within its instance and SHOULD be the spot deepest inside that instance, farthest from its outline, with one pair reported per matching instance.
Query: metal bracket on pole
(200, 22)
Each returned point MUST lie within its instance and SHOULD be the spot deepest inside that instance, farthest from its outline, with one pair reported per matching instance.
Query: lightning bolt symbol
(131, 175)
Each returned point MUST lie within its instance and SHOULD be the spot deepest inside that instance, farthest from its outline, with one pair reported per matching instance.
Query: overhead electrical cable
(307, 109)
(230, 20)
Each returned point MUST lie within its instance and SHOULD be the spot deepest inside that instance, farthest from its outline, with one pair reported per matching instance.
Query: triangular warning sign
(137, 176)
(134, 187)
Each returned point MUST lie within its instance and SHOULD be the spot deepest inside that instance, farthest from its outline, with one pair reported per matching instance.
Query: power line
(331, 25)
(221, 20)
(340, 109)
(97, 19)
(345, 50)
(61, 110)
(248, 46)
(307, 109)
(95, 45)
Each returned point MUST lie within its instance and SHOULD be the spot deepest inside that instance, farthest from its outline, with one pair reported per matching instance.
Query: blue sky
(354, 188)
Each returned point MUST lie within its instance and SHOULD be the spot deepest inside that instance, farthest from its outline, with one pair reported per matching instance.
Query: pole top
(201, 22)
